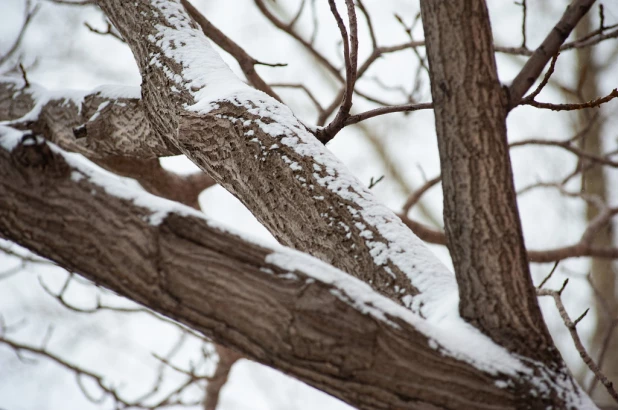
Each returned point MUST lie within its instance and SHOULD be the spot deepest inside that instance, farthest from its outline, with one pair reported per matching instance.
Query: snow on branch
(257, 149)
(273, 304)
(108, 120)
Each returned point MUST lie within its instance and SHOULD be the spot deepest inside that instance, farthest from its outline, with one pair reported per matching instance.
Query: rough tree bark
(481, 219)
(394, 342)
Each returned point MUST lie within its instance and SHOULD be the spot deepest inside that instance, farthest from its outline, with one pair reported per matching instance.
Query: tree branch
(255, 148)
(482, 225)
(550, 47)
(572, 327)
(108, 121)
(275, 305)
(111, 131)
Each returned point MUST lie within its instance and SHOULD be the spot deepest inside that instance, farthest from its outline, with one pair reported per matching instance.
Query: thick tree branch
(481, 218)
(276, 306)
(109, 121)
(255, 148)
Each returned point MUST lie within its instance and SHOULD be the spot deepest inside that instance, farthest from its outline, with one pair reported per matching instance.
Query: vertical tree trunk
(594, 182)
(480, 210)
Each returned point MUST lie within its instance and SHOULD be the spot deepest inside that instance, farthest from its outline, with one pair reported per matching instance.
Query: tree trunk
(594, 182)
(481, 219)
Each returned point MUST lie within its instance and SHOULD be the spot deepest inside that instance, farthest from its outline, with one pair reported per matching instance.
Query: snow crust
(41, 96)
(115, 92)
(204, 74)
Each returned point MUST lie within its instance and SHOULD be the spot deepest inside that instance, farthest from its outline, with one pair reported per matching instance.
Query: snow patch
(10, 137)
(115, 92)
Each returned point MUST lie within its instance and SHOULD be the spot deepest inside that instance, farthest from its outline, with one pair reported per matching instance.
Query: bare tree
(352, 303)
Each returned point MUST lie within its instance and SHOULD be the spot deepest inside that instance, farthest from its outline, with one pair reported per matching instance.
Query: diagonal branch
(275, 305)
(572, 327)
(255, 148)
(549, 48)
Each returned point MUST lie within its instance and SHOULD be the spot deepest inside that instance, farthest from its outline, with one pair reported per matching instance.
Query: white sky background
(59, 52)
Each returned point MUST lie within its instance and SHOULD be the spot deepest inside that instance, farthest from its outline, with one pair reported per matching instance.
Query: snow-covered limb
(254, 147)
(107, 125)
(106, 121)
(276, 305)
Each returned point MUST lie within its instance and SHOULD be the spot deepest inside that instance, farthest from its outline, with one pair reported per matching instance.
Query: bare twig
(580, 249)
(109, 31)
(548, 277)
(171, 399)
(524, 12)
(350, 54)
(568, 146)
(307, 45)
(572, 327)
(544, 82)
(302, 87)
(30, 12)
(570, 107)
(372, 34)
(612, 318)
(353, 119)
(416, 195)
(24, 76)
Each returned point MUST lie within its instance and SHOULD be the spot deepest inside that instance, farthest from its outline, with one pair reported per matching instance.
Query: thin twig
(29, 15)
(572, 327)
(302, 87)
(544, 82)
(109, 31)
(353, 119)
(350, 54)
(571, 107)
(568, 146)
(416, 195)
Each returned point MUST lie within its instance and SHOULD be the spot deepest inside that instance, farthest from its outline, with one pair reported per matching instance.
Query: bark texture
(481, 219)
(221, 285)
(329, 331)
(111, 131)
(230, 144)
(97, 124)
